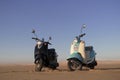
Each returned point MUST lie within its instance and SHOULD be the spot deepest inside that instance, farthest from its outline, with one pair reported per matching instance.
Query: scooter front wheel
(39, 65)
(74, 65)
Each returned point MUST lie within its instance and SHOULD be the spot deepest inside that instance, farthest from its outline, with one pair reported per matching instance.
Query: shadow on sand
(108, 68)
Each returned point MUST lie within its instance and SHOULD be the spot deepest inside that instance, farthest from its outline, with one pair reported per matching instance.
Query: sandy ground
(106, 70)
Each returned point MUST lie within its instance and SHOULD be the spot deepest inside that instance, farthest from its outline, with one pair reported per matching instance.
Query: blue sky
(62, 20)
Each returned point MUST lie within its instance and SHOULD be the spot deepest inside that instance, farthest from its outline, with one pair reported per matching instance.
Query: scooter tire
(39, 65)
(92, 67)
(74, 65)
(54, 67)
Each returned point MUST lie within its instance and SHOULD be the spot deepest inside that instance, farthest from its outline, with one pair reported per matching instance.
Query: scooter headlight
(75, 40)
(39, 43)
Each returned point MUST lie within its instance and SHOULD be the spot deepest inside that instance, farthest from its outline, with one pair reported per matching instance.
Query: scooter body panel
(75, 55)
(90, 53)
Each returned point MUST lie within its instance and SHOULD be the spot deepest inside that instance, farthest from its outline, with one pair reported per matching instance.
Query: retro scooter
(81, 55)
(44, 57)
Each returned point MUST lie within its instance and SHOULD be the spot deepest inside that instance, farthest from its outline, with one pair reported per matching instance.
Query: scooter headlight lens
(38, 43)
(75, 41)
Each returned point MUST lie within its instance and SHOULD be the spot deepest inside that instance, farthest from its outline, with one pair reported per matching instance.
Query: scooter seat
(51, 50)
(88, 48)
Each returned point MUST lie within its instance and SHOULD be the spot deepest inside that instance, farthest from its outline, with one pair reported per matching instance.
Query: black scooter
(44, 57)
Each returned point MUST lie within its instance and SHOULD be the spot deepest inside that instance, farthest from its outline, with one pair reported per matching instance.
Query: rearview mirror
(33, 31)
(84, 25)
(50, 38)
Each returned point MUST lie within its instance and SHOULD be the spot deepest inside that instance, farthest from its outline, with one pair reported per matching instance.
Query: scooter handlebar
(82, 35)
(49, 43)
(41, 41)
(36, 38)
(33, 38)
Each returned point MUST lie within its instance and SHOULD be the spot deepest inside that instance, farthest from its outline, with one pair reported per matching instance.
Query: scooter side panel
(92, 54)
(91, 57)
(75, 55)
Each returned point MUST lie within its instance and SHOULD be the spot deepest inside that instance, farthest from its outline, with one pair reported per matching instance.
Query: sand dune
(106, 70)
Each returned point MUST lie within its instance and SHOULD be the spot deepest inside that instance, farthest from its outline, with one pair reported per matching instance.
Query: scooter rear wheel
(74, 65)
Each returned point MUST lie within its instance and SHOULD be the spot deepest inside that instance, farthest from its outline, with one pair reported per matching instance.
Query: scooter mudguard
(75, 55)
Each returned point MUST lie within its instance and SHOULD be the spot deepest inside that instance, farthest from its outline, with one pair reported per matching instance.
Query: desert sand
(105, 70)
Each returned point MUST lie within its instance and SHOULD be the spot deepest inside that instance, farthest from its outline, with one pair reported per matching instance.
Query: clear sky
(60, 19)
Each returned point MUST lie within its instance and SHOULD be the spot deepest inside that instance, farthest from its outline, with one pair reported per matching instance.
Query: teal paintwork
(92, 54)
(75, 55)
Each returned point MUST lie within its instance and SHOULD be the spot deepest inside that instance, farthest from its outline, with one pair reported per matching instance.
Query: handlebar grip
(36, 39)
(82, 35)
(33, 38)
(49, 43)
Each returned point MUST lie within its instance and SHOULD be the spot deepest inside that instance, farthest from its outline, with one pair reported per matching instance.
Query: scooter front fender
(76, 56)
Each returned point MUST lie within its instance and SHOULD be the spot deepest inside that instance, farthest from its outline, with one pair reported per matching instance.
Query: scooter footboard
(75, 55)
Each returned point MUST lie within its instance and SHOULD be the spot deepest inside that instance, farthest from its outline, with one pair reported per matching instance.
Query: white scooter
(81, 55)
